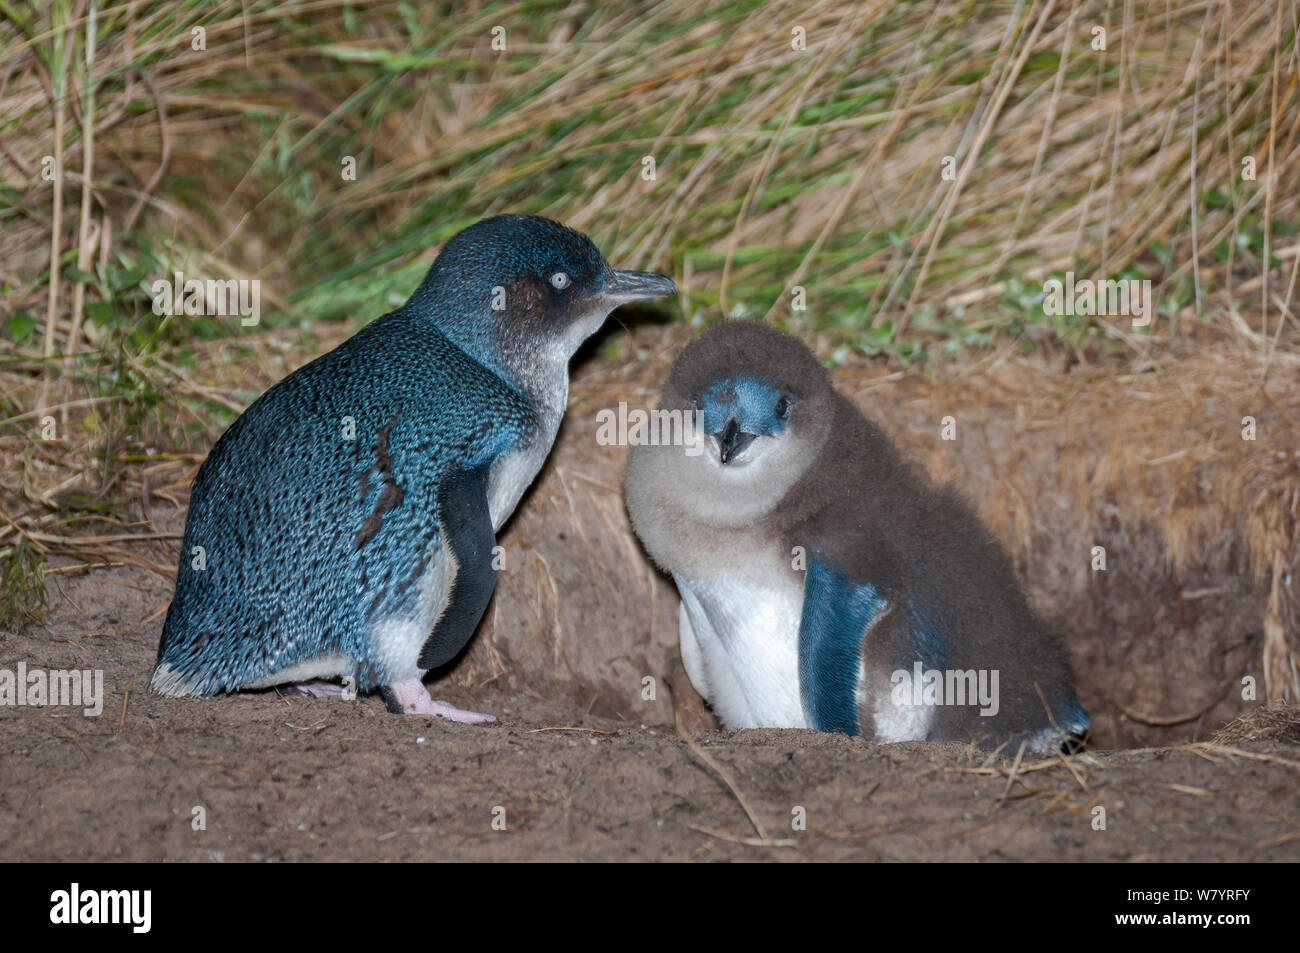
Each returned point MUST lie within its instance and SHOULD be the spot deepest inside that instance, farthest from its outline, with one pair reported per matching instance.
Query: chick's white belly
(740, 646)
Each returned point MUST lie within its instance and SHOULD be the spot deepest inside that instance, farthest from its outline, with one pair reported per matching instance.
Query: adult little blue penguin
(344, 525)
(824, 582)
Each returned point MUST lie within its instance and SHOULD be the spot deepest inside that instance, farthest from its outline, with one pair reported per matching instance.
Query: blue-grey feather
(836, 614)
(281, 500)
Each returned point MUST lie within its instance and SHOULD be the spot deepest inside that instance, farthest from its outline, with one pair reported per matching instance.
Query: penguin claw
(410, 697)
(441, 709)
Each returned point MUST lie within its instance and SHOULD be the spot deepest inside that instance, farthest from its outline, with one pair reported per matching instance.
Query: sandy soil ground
(295, 778)
(581, 768)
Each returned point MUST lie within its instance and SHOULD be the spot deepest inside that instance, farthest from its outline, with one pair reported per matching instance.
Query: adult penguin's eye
(782, 408)
(559, 281)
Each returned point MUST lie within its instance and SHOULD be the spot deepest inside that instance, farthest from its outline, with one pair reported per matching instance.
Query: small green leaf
(126, 277)
(21, 326)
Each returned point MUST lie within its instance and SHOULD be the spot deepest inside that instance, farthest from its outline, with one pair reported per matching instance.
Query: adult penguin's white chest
(514, 471)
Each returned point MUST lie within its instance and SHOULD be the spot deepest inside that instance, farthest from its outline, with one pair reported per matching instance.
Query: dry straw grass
(1271, 723)
(774, 167)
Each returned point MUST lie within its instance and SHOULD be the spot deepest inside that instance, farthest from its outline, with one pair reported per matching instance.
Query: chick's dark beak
(731, 440)
(624, 286)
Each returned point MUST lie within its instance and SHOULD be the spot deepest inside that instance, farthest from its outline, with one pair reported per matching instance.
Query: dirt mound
(257, 777)
(576, 656)
(1196, 522)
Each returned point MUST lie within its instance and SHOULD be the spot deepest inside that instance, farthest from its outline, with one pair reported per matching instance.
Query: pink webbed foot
(410, 697)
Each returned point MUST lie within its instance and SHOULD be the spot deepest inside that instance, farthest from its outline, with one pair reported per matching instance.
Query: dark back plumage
(304, 539)
(343, 525)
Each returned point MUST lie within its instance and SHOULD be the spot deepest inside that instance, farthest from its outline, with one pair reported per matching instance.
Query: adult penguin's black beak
(732, 440)
(625, 286)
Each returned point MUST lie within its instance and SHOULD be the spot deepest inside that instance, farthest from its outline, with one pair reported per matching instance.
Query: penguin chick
(824, 582)
(344, 525)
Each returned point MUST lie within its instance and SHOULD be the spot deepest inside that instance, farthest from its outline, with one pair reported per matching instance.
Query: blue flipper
(836, 614)
(1074, 720)
(467, 532)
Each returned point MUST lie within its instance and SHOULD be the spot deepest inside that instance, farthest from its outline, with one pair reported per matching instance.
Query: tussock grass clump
(912, 161)
(1266, 723)
(918, 169)
(22, 584)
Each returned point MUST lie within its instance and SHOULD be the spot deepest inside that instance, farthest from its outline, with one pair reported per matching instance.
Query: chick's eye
(782, 408)
(559, 281)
